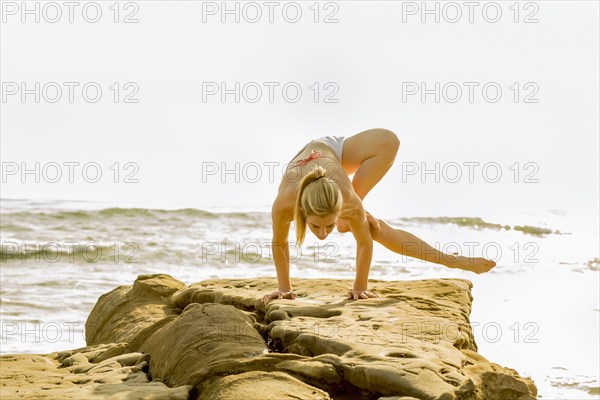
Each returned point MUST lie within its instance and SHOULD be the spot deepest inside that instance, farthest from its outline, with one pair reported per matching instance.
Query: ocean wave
(478, 223)
(20, 221)
(586, 383)
(471, 222)
(149, 212)
(15, 228)
(535, 230)
(15, 221)
(113, 212)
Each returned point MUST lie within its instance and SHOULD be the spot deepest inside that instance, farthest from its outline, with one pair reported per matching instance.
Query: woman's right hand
(280, 294)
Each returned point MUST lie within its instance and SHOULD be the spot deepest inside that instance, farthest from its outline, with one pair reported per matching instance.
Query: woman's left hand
(360, 294)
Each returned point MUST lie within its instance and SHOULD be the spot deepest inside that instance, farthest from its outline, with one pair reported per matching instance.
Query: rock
(257, 385)
(127, 360)
(312, 369)
(75, 359)
(125, 311)
(27, 376)
(113, 351)
(397, 398)
(202, 336)
(414, 342)
(89, 352)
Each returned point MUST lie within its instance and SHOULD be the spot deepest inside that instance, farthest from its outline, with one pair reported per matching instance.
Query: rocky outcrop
(122, 313)
(216, 340)
(94, 372)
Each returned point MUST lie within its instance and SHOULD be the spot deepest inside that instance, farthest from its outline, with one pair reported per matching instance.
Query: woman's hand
(280, 294)
(360, 294)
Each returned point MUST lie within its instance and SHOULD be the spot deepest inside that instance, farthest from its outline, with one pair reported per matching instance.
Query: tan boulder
(123, 312)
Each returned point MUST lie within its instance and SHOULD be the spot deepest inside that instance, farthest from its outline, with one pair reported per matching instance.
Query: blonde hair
(317, 195)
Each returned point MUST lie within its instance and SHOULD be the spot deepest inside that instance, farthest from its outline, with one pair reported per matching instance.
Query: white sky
(368, 55)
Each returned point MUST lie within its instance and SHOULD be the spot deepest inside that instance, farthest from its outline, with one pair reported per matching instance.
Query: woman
(315, 191)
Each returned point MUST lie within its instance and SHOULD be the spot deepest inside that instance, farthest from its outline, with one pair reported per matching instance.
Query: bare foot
(478, 265)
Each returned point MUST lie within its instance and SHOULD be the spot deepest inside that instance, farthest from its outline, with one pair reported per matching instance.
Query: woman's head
(318, 205)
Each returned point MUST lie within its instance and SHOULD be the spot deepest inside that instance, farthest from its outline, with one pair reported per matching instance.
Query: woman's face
(321, 226)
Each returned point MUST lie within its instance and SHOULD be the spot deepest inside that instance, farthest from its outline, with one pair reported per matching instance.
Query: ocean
(537, 311)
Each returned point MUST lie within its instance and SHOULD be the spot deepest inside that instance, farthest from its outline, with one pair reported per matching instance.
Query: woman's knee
(392, 142)
(386, 141)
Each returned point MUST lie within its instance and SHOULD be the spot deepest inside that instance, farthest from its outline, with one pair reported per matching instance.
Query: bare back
(283, 207)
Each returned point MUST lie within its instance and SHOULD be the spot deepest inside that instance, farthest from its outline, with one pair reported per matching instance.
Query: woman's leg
(406, 243)
(369, 155)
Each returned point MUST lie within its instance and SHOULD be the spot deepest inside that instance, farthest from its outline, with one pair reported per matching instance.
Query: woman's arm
(364, 251)
(281, 217)
(281, 220)
(364, 255)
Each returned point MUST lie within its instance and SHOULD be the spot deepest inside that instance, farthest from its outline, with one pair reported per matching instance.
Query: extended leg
(406, 243)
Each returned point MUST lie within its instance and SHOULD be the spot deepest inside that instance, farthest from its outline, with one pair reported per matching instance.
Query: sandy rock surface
(94, 372)
(216, 340)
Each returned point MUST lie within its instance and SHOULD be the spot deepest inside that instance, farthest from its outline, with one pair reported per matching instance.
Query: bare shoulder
(282, 215)
(353, 209)
(283, 206)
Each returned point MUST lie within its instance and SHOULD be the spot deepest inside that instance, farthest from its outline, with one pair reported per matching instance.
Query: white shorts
(335, 142)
